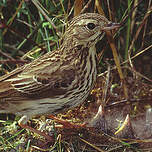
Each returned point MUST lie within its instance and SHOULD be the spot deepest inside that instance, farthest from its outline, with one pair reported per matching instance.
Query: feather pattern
(58, 80)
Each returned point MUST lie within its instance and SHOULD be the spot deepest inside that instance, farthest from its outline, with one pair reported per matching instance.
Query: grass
(26, 34)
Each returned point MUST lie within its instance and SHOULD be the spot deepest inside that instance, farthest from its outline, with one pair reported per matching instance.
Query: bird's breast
(85, 78)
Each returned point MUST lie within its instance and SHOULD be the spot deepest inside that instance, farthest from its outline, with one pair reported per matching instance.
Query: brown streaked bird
(58, 80)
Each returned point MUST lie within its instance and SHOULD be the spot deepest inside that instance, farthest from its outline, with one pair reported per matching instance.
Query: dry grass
(28, 31)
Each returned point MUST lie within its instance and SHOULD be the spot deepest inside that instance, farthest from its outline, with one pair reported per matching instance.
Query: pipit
(58, 80)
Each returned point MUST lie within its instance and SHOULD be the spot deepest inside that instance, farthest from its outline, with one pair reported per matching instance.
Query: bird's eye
(91, 26)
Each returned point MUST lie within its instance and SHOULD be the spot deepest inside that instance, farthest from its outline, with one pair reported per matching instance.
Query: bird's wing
(44, 84)
(6, 89)
(44, 77)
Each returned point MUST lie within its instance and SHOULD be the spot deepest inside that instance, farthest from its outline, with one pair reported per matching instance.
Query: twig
(13, 61)
(85, 7)
(6, 55)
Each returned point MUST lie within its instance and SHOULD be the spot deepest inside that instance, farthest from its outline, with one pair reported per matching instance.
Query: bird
(58, 80)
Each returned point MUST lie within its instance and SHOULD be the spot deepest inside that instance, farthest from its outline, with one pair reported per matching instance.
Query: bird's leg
(23, 123)
(67, 124)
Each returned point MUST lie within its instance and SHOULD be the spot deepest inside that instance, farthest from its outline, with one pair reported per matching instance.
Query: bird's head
(88, 27)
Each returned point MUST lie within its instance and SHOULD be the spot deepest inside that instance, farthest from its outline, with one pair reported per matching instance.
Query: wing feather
(35, 84)
(44, 76)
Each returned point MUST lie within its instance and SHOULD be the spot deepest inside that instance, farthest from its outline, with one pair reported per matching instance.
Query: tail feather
(8, 97)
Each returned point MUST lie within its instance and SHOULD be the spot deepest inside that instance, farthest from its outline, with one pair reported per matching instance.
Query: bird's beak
(111, 26)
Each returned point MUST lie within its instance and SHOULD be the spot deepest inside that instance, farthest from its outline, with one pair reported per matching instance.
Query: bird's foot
(66, 124)
(22, 123)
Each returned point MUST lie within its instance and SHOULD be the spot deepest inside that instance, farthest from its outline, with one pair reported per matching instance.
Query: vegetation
(29, 29)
